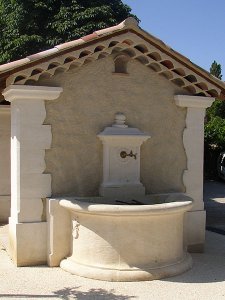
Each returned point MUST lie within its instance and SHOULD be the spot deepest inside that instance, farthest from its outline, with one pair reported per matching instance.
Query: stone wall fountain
(125, 235)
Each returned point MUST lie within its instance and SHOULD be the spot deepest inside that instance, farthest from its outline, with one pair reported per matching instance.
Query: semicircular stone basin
(141, 239)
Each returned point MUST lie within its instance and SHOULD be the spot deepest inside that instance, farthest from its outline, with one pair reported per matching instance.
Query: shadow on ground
(98, 294)
(26, 296)
(73, 293)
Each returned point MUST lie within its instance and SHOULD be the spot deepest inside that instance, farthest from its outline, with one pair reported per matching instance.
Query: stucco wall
(91, 97)
(4, 163)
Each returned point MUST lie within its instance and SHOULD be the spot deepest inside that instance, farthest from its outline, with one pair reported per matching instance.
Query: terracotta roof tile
(42, 54)
(90, 37)
(130, 24)
(14, 64)
(109, 29)
(70, 44)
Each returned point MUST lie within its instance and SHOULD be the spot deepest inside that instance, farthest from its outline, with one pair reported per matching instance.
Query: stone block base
(194, 230)
(28, 243)
(5, 202)
(59, 233)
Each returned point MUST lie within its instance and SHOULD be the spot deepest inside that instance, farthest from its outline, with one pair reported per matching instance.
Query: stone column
(193, 139)
(29, 185)
(5, 189)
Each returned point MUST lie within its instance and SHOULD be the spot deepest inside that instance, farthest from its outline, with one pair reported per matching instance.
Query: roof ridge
(130, 22)
(128, 25)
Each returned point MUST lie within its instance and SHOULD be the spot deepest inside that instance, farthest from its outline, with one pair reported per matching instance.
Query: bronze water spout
(124, 154)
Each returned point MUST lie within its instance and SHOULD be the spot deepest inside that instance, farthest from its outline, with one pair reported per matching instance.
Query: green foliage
(214, 130)
(30, 26)
(215, 117)
(215, 70)
(215, 133)
(217, 109)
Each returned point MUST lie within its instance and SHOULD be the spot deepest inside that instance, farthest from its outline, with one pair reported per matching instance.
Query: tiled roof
(67, 45)
(126, 37)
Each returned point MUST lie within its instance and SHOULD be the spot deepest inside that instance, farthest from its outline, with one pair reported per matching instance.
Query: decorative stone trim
(193, 139)
(29, 139)
(193, 101)
(27, 92)
(129, 44)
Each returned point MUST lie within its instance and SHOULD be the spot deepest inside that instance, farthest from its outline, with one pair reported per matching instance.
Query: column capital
(31, 92)
(193, 101)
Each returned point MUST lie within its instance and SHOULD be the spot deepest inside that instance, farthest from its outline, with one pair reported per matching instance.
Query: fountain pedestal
(121, 159)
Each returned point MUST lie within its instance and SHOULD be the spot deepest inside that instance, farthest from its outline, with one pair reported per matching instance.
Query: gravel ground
(206, 280)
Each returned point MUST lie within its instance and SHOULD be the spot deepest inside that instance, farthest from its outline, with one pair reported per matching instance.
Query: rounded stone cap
(120, 121)
(130, 22)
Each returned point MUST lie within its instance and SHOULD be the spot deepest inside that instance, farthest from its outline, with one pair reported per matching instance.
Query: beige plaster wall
(91, 97)
(5, 189)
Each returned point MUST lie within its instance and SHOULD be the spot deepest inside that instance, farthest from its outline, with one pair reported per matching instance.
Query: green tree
(215, 133)
(30, 26)
(216, 70)
(218, 107)
(214, 129)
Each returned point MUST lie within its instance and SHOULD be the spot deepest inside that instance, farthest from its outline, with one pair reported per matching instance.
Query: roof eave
(129, 25)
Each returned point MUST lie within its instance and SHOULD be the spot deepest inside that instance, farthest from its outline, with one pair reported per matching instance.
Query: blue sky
(195, 28)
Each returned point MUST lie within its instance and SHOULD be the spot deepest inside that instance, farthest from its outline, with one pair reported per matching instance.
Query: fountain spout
(121, 159)
(124, 154)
